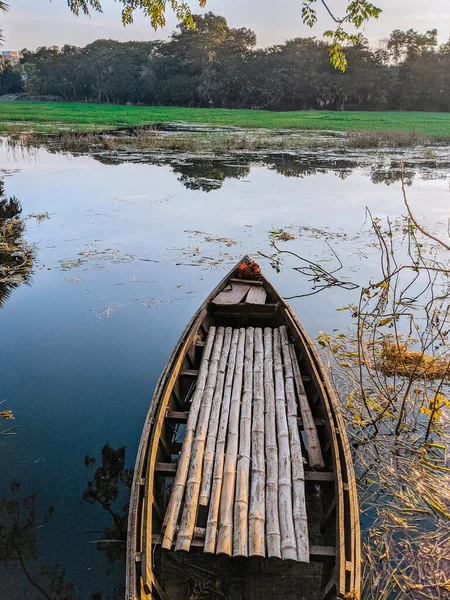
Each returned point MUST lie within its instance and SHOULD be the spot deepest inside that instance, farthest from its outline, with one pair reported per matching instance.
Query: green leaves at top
(155, 10)
(358, 12)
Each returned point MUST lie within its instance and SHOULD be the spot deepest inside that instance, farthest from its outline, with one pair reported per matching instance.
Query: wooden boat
(236, 492)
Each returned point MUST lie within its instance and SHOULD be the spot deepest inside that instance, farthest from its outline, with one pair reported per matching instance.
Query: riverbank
(18, 117)
(206, 140)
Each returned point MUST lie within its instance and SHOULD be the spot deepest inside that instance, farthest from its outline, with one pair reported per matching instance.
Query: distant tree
(219, 66)
(201, 67)
(409, 45)
(356, 14)
(10, 81)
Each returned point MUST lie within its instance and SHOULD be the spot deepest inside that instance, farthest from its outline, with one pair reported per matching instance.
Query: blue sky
(33, 23)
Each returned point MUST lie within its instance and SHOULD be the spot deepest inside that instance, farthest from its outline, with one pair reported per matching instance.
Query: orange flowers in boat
(248, 270)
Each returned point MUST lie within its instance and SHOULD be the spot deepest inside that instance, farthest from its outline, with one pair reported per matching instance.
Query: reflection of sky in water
(75, 378)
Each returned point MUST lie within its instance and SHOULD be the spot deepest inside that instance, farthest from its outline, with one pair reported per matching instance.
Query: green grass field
(53, 117)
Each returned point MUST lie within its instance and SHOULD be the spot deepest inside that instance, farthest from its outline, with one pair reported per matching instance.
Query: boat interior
(323, 563)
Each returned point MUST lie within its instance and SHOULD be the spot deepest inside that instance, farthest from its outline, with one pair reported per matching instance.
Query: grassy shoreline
(17, 117)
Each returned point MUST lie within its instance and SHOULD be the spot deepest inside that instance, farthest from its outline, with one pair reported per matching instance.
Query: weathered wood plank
(249, 281)
(256, 295)
(316, 553)
(166, 468)
(177, 416)
(189, 373)
(319, 476)
(233, 294)
(321, 552)
(314, 451)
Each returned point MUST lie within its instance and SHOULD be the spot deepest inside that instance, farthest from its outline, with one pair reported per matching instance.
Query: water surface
(128, 253)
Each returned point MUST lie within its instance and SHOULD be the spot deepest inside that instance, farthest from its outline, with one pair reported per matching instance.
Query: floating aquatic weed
(196, 256)
(398, 359)
(210, 238)
(109, 255)
(281, 235)
(39, 216)
(150, 303)
(392, 373)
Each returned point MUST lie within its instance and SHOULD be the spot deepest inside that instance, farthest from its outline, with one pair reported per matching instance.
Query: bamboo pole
(176, 497)
(240, 538)
(273, 534)
(288, 543)
(257, 516)
(193, 482)
(224, 541)
(213, 514)
(208, 462)
(309, 427)
(298, 476)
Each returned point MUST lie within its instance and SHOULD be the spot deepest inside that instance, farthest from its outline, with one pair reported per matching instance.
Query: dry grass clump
(384, 139)
(39, 216)
(397, 359)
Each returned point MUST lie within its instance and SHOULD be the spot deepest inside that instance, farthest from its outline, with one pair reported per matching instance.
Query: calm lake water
(127, 254)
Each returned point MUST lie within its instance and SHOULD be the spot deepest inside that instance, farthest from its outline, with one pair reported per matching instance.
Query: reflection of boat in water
(233, 485)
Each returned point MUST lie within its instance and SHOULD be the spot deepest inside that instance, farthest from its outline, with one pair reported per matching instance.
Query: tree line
(219, 66)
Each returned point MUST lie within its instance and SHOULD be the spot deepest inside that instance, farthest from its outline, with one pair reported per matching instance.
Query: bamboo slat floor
(239, 485)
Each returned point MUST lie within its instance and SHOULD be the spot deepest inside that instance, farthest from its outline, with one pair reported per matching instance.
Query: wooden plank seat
(237, 292)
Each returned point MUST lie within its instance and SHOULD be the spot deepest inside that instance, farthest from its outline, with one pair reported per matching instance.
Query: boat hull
(333, 570)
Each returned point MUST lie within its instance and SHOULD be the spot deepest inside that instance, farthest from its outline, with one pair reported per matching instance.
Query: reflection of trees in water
(209, 174)
(305, 165)
(23, 576)
(391, 174)
(110, 479)
(19, 552)
(110, 482)
(16, 257)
